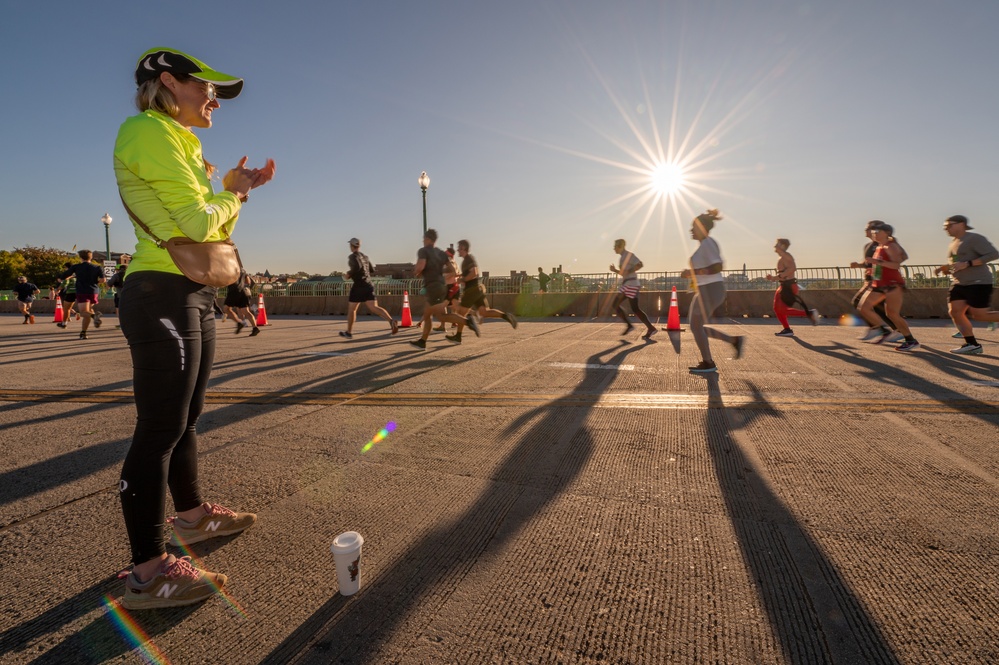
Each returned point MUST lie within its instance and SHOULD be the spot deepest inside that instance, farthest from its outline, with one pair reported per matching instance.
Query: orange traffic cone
(407, 316)
(261, 312)
(58, 312)
(673, 319)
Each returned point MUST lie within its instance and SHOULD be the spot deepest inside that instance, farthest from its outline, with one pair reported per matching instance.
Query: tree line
(41, 265)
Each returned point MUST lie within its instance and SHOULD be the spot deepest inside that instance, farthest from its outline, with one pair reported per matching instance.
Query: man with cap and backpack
(362, 290)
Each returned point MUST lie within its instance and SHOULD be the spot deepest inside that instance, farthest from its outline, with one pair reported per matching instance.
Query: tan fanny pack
(213, 263)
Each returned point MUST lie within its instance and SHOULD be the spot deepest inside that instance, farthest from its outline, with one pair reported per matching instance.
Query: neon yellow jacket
(161, 176)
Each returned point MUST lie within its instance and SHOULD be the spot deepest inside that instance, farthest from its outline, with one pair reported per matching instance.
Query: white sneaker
(872, 333)
(895, 337)
(813, 315)
(969, 350)
(957, 335)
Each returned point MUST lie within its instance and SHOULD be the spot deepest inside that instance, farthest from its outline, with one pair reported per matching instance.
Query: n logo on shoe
(213, 526)
(166, 590)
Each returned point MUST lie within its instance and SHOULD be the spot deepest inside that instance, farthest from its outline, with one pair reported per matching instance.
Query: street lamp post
(106, 219)
(424, 183)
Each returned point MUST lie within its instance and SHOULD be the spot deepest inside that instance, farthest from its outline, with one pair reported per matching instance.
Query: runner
(971, 280)
(887, 286)
(88, 278)
(67, 293)
(453, 287)
(359, 270)
(787, 292)
(879, 309)
(165, 183)
(237, 304)
(705, 271)
(26, 292)
(430, 263)
(473, 297)
(627, 269)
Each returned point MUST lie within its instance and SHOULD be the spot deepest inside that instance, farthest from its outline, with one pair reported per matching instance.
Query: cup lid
(346, 542)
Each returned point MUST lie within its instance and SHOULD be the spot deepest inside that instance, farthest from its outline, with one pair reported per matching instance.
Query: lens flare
(381, 436)
(132, 632)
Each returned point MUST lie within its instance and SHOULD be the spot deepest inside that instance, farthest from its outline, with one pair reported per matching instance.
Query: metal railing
(916, 277)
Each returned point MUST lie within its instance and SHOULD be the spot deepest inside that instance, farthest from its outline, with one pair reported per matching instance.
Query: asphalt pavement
(555, 493)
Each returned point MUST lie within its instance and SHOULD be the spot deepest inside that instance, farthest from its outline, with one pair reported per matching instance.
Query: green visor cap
(157, 60)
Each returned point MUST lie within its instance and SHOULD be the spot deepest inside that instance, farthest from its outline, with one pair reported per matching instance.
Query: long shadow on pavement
(555, 449)
(813, 612)
(895, 375)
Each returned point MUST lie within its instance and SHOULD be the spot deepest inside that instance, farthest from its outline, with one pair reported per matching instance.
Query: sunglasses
(207, 88)
(211, 92)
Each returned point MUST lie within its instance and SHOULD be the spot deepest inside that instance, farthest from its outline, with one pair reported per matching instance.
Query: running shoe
(255, 331)
(627, 331)
(894, 337)
(216, 522)
(77, 316)
(739, 343)
(472, 324)
(177, 583)
(957, 335)
(873, 333)
(509, 318)
(441, 328)
(703, 367)
(908, 346)
(787, 332)
(83, 335)
(61, 325)
(419, 343)
(25, 322)
(395, 326)
(31, 318)
(454, 339)
(239, 327)
(814, 316)
(97, 320)
(344, 333)
(969, 350)
(650, 333)
(885, 334)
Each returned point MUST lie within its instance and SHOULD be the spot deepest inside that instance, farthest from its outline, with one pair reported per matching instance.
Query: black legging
(169, 323)
(619, 300)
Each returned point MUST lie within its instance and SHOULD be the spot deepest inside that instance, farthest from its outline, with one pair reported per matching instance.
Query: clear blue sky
(804, 120)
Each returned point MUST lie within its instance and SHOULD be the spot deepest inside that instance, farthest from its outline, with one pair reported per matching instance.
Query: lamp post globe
(106, 220)
(424, 181)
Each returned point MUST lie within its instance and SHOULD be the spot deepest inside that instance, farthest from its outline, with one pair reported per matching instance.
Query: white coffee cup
(346, 550)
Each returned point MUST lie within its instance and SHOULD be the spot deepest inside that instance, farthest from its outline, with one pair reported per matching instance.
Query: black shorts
(68, 297)
(361, 292)
(436, 293)
(474, 297)
(977, 296)
(235, 297)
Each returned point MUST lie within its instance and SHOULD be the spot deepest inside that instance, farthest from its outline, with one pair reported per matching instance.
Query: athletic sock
(910, 338)
(971, 340)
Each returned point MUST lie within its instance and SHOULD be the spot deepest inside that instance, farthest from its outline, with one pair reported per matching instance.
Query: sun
(667, 179)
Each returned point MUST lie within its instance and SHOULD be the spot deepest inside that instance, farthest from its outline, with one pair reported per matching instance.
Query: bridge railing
(835, 277)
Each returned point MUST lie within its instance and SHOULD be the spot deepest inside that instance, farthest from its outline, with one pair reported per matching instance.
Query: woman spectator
(168, 319)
